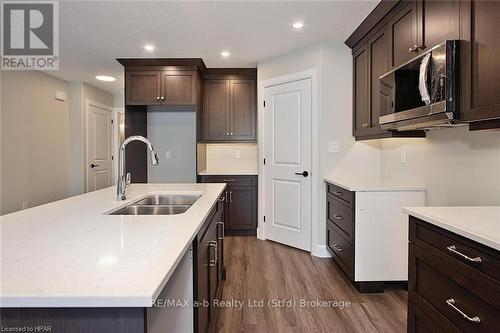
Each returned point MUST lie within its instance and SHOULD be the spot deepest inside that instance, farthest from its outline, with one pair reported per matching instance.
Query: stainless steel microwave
(423, 92)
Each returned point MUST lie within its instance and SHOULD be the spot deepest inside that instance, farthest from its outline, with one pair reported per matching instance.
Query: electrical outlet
(333, 146)
(168, 154)
(403, 156)
(238, 153)
(25, 204)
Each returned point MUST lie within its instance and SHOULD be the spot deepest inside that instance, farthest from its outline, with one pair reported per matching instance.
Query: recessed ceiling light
(225, 54)
(105, 78)
(149, 47)
(298, 25)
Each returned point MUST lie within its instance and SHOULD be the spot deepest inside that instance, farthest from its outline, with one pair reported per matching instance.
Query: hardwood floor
(268, 271)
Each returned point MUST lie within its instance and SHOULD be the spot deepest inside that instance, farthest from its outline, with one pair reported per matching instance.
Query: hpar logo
(30, 35)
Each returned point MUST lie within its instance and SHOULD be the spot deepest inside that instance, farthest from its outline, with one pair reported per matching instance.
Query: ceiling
(94, 33)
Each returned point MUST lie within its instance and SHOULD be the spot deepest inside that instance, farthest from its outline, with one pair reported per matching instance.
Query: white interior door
(287, 132)
(99, 147)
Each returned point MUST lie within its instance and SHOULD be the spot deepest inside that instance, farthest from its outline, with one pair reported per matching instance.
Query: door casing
(317, 245)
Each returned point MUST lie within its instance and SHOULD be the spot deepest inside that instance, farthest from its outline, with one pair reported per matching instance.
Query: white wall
(459, 167)
(333, 62)
(34, 140)
(42, 139)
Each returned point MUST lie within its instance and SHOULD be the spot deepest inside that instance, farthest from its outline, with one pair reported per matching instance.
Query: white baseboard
(321, 252)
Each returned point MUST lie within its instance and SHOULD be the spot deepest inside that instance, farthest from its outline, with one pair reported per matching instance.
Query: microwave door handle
(422, 79)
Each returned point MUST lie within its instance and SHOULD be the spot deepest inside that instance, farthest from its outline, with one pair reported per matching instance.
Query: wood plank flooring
(264, 270)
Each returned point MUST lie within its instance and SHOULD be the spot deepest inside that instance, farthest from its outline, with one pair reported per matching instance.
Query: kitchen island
(69, 262)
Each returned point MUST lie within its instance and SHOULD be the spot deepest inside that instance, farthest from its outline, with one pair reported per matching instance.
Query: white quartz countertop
(478, 223)
(365, 184)
(222, 172)
(69, 253)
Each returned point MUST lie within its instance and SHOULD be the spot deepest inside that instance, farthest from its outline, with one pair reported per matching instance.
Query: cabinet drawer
(342, 216)
(451, 292)
(230, 180)
(342, 194)
(343, 251)
(455, 246)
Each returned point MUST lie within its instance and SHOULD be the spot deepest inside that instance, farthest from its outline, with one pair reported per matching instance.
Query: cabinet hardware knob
(230, 133)
(227, 133)
(338, 217)
(157, 98)
(162, 98)
(339, 194)
(451, 303)
(453, 249)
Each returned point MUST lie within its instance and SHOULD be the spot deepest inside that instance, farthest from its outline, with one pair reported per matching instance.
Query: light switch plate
(60, 96)
(238, 153)
(333, 146)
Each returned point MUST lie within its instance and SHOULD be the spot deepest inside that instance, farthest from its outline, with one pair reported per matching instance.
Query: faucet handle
(127, 179)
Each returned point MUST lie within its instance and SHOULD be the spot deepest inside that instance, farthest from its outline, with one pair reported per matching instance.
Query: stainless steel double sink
(159, 204)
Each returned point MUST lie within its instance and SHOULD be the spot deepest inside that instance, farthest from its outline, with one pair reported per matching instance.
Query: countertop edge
(409, 188)
(454, 229)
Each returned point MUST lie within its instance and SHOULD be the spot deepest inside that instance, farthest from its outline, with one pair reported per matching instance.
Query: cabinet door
(243, 111)
(403, 34)
(378, 63)
(216, 111)
(438, 21)
(242, 207)
(178, 87)
(143, 87)
(360, 92)
(480, 51)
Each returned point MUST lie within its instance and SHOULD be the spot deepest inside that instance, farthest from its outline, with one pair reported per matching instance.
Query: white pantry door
(287, 136)
(99, 147)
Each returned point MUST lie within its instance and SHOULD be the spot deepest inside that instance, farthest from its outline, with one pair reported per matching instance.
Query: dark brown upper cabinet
(403, 35)
(229, 110)
(142, 87)
(437, 21)
(360, 96)
(480, 65)
(168, 87)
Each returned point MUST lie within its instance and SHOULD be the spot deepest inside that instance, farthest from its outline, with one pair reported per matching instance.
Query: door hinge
(112, 157)
(264, 218)
(112, 121)
(264, 161)
(264, 103)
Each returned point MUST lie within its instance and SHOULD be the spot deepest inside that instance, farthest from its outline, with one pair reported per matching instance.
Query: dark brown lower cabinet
(449, 291)
(240, 200)
(208, 269)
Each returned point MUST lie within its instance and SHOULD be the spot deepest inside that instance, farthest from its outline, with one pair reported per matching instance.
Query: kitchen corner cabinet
(165, 87)
(230, 110)
(357, 221)
(240, 201)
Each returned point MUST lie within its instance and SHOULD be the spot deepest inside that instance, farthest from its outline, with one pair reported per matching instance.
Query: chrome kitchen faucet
(124, 180)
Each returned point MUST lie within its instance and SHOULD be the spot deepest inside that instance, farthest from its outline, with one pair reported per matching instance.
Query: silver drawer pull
(451, 304)
(453, 249)
(228, 180)
(339, 194)
(214, 245)
(337, 248)
(223, 232)
(338, 217)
